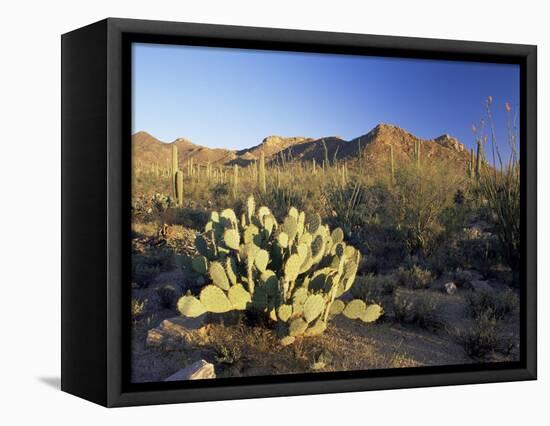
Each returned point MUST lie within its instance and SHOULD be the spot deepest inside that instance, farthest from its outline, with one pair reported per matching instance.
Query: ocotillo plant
(261, 173)
(175, 167)
(179, 188)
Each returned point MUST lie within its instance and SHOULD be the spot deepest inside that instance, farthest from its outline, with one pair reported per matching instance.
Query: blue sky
(233, 98)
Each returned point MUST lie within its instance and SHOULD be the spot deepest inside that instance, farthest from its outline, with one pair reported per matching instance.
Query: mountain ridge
(369, 146)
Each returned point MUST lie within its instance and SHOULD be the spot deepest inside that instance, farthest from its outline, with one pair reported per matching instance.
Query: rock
(177, 332)
(481, 286)
(196, 371)
(449, 288)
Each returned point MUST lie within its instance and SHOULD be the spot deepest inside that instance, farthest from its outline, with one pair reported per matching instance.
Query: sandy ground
(239, 349)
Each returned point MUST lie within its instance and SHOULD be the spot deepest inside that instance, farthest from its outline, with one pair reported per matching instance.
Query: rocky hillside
(371, 148)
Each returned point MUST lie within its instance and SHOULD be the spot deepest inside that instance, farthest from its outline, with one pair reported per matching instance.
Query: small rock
(174, 332)
(196, 371)
(481, 286)
(449, 288)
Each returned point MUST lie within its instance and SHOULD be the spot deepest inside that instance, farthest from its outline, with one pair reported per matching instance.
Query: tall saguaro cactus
(325, 149)
(179, 188)
(479, 159)
(235, 180)
(174, 167)
(417, 153)
(261, 173)
(471, 165)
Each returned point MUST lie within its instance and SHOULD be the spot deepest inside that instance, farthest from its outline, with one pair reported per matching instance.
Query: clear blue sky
(233, 98)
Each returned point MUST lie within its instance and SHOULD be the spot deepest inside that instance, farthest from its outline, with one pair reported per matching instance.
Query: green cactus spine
(261, 174)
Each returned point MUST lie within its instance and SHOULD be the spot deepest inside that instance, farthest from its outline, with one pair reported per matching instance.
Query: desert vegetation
(302, 255)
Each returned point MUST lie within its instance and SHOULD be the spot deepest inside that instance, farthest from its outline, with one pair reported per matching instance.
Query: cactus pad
(313, 222)
(336, 308)
(290, 227)
(292, 267)
(337, 235)
(250, 208)
(218, 276)
(231, 270)
(261, 260)
(190, 306)
(231, 239)
(316, 329)
(201, 245)
(372, 313)
(282, 239)
(355, 309)
(313, 307)
(239, 297)
(297, 327)
(215, 300)
(284, 312)
(200, 264)
(228, 218)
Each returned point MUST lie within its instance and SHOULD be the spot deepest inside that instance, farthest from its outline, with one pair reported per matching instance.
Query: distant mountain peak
(449, 141)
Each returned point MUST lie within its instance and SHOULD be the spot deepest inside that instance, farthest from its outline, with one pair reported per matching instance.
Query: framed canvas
(255, 212)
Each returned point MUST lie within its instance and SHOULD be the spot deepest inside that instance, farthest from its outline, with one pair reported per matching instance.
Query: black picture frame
(96, 95)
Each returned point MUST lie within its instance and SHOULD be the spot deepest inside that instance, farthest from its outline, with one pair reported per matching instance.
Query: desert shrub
(415, 277)
(418, 309)
(496, 305)
(228, 354)
(374, 287)
(402, 308)
(137, 307)
(356, 206)
(479, 250)
(462, 278)
(420, 197)
(481, 339)
(291, 272)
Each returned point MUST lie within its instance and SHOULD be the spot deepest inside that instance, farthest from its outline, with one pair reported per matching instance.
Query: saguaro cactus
(235, 179)
(325, 149)
(479, 159)
(174, 167)
(179, 188)
(417, 153)
(261, 173)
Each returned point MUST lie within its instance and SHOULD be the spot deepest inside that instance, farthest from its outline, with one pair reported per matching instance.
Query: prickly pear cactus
(293, 271)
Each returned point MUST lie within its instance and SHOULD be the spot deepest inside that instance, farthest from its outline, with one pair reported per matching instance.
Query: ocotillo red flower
(508, 107)
(489, 100)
